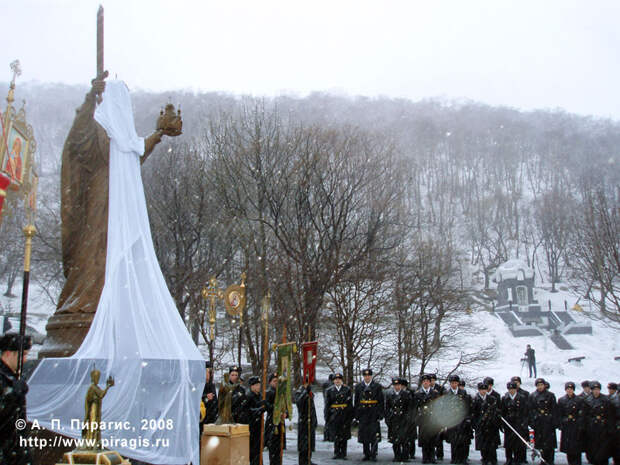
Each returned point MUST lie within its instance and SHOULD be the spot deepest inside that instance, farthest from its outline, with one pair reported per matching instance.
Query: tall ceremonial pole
(101, 74)
(265, 318)
(281, 426)
(29, 232)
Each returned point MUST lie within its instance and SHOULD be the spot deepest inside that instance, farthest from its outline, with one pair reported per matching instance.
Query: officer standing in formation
(570, 412)
(305, 433)
(273, 432)
(338, 415)
(368, 405)
(486, 421)
(543, 419)
(427, 437)
(459, 436)
(399, 405)
(515, 411)
(209, 399)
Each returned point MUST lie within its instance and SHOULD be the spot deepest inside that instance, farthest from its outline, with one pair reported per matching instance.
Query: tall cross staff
(265, 317)
(101, 74)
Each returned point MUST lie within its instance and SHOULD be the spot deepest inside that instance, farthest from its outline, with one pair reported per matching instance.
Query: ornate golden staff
(265, 317)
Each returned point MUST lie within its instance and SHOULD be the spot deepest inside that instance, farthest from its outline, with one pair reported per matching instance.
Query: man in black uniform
(255, 406)
(600, 425)
(485, 418)
(12, 401)
(209, 398)
(427, 437)
(440, 437)
(338, 414)
(490, 391)
(570, 412)
(239, 399)
(515, 411)
(544, 418)
(398, 405)
(412, 429)
(305, 435)
(459, 436)
(272, 432)
(368, 405)
(521, 453)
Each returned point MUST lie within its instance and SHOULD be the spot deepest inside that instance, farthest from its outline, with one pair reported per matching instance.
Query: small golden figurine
(92, 407)
(169, 122)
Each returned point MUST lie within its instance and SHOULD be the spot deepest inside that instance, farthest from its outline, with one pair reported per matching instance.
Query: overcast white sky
(525, 54)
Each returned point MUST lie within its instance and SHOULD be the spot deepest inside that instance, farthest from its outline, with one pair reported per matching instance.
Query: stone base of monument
(90, 457)
(65, 333)
(225, 445)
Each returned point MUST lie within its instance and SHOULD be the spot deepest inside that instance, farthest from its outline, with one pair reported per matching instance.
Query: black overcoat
(543, 413)
(570, 412)
(368, 405)
(12, 409)
(515, 411)
(460, 403)
(398, 411)
(600, 424)
(424, 416)
(303, 433)
(338, 413)
(485, 419)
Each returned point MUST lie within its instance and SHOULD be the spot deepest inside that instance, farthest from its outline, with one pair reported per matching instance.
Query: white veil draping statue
(136, 335)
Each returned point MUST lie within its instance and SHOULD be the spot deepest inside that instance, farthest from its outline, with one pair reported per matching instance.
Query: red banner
(4, 184)
(309, 352)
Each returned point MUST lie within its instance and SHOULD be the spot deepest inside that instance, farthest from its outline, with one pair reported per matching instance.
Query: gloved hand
(20, 387)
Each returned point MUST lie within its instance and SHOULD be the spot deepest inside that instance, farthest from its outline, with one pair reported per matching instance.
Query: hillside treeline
(373, 223)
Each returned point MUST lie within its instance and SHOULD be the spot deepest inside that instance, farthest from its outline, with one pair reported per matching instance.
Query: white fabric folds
(137, 336)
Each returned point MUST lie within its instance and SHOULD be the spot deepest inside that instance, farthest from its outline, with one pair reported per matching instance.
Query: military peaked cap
(367, 372)
(253, 380)
(338, 376)
(488, 380)
(595, 385)
(272, 376)
(540, 381)
(462, 383)
(569, 384)
(483, 385)
(433, 376)
(10, 342)
(585, 383)
(516, 379)
(425, 376)
(234, 368)
(511, 385)
(403, 381)
(613, 386)
(454, 378)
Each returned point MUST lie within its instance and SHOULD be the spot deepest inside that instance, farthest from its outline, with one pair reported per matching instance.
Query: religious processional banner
(283, 402)
(309, 351)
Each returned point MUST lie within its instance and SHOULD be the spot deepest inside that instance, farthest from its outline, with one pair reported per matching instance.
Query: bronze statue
(92, 410)
(84, 214)
(224, 402)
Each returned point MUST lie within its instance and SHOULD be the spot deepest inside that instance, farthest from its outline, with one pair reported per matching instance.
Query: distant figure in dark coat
(485, 415)
(614, 398)
(570, 412)
(368, 405)
(530, 354)
(515, 412)
(305, 436)
(325, 386)
(544, 418)
(600, 425)
(338, 414)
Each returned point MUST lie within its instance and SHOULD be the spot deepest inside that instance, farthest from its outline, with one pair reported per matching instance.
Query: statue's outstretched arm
(150, 142)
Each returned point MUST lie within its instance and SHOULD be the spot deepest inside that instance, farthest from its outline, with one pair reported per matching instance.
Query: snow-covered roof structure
(513, 269)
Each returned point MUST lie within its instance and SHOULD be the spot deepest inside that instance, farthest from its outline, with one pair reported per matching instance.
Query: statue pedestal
(101, 457)
(225, 445)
